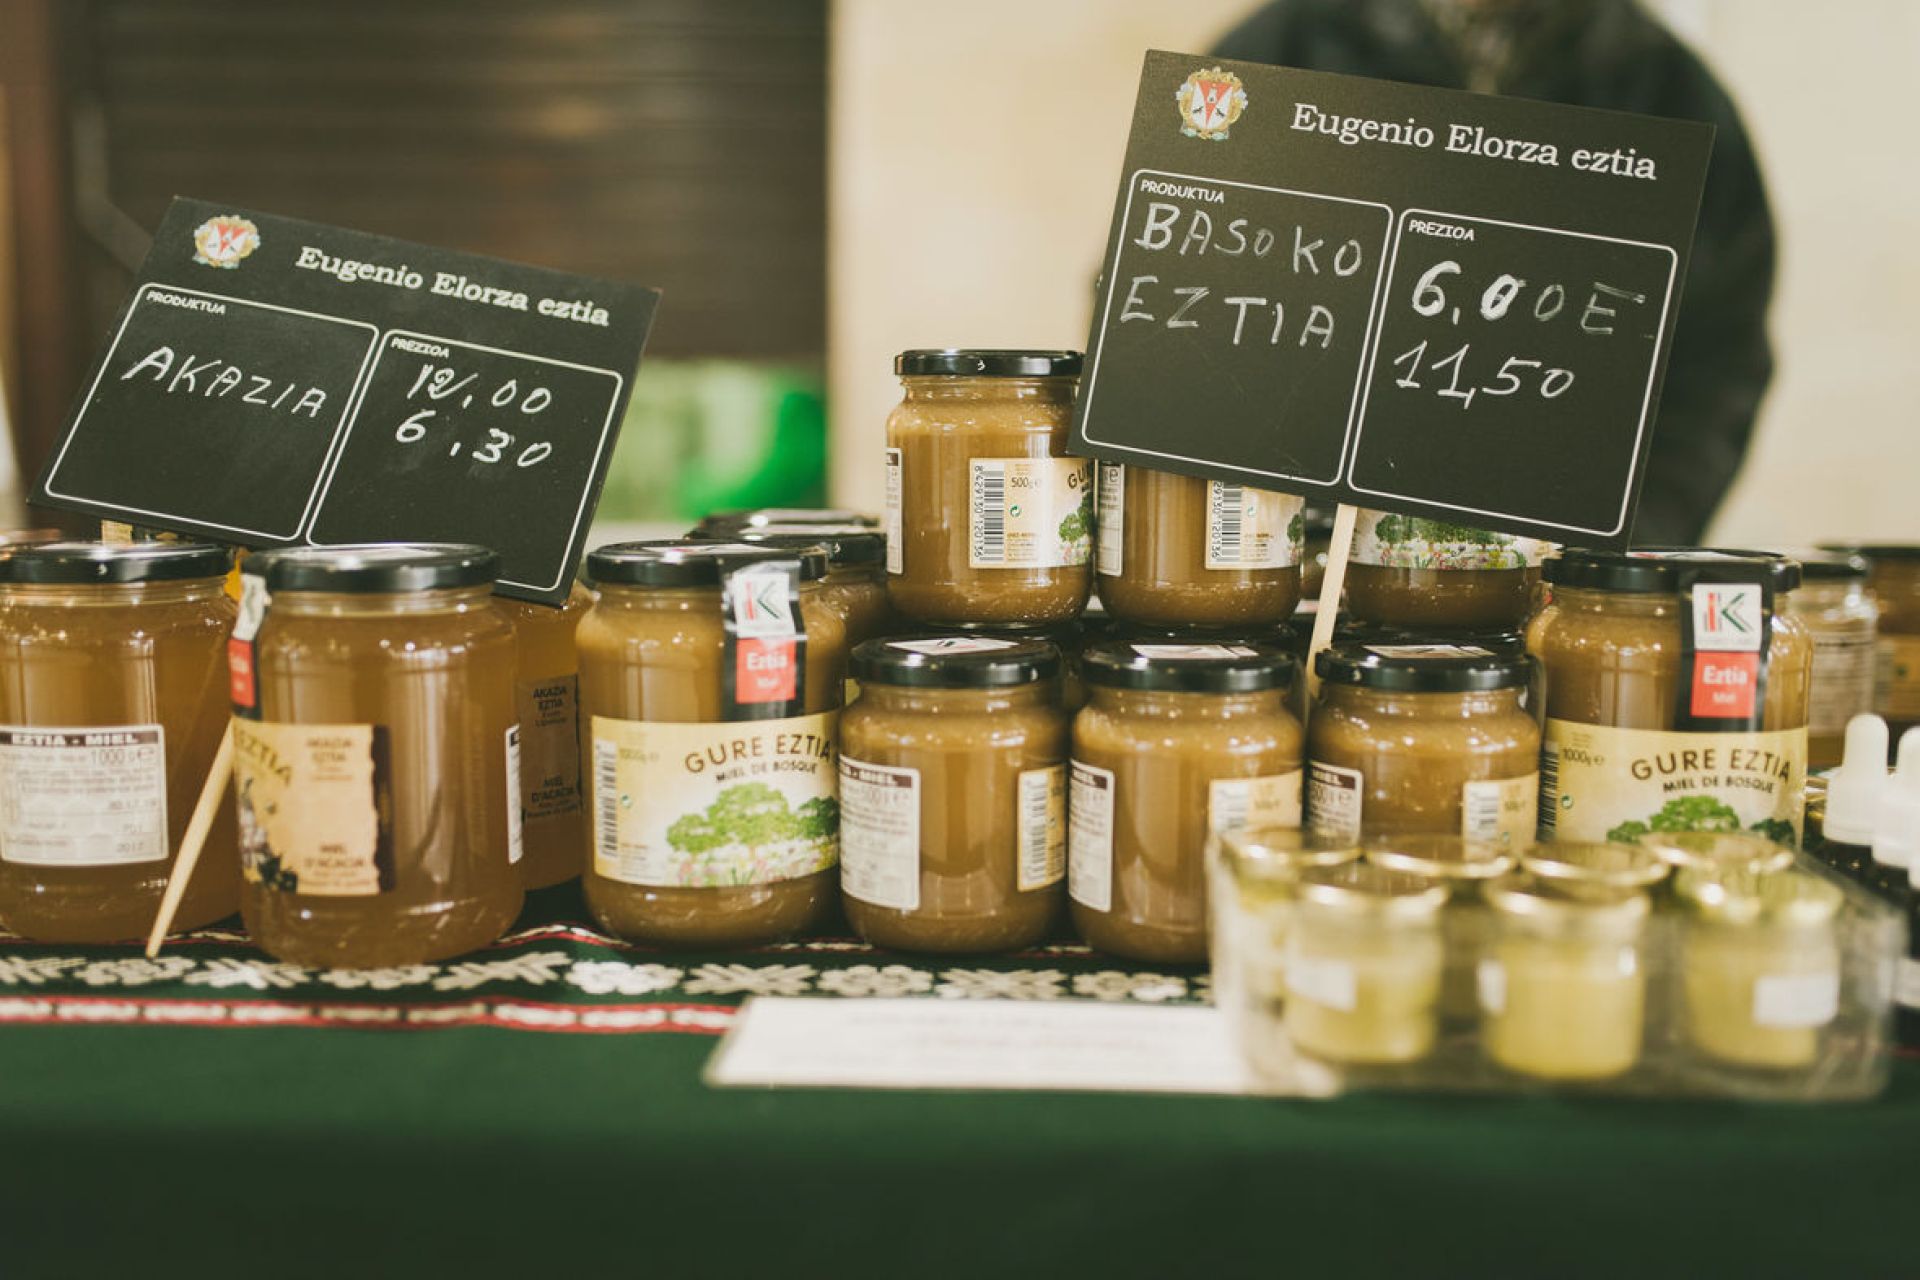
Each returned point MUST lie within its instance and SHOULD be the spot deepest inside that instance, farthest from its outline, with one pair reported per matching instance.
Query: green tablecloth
(539, 1106)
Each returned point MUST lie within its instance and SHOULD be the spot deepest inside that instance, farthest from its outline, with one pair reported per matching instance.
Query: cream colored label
(1113, 519)
(1250, 528)
(1844, 671)
(880, 834)
(1029, 513)
(708, 805)
(93, 796)
(1796, 999)
(1600, 783)
(1490, 980)
(1896, 692)
(1413, 542)
(1502, 811)
(315, 806)
(1323, 980)
(1234, 804)
(1906, 983)
(549, 746)
(896, 550)
(1043, 827)
(1333, 800)
(1090, 837)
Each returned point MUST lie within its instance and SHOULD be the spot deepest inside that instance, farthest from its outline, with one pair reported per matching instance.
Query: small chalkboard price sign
(1419, 300)
(272, 382)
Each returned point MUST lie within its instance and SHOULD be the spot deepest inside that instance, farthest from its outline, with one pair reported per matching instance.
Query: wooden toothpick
(1330, 586)
(211, 796)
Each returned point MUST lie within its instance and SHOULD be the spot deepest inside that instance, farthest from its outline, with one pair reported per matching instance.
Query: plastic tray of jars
(1686, 965)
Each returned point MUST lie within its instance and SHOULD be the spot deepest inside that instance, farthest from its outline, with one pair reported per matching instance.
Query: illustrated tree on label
(1297, 529)
(1076, 530)
(751, 833)
(258, 861)
(1699, 813)
(1413, 542)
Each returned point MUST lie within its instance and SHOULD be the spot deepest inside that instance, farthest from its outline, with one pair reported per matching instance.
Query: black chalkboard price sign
(1418, 300)
(273, 382)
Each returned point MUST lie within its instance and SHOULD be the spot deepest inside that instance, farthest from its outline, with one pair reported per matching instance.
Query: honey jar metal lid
(1788, 899)
(955, 662)
(845, 544)
(1206, 666)
(1424, 668)
(1658, 570)
(1718, 850)
(376, 568)
(1440, 857)
(986, 362)
(685, 562)
(1366, 891)
(113, 562)
(1610, 863)
(763, 517)
(1561, 904)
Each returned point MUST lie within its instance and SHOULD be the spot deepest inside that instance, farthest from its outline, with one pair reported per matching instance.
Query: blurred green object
(707, 435)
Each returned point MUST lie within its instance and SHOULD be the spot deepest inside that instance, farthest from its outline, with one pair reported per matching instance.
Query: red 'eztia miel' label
(1724, 684)
(240, 686)
(764, 669)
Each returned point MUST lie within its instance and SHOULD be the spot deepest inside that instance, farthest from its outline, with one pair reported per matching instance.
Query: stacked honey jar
(919, 722)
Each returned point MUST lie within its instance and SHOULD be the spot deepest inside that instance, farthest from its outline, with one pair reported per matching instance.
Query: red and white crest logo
(224, 241)
(1210, 101)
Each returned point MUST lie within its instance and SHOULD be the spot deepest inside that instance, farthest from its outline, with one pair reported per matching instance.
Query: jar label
(1323, 980)
(895, 525)
(1490, 980)
(1412, 542)
(1029, 513)
(1844, 671)
(516, 816)
(1896, 692)
(880, 834)
(243, 646)
(315, 804)
(1234, 804)
(1724, 637)
(1602, 783)
(1250, 528)
(1333, 801)
(1796, 999)
(763, 656)
(549, 713)
(1043, 827)
(952, 644)
(1196, 652)
(1906, 983)
(1112, 510)
(91, 796)
(709, 805)
(1502, 811)
(1090, 837)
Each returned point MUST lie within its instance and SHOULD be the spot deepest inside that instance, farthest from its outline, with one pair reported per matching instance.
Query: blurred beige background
(974, 154)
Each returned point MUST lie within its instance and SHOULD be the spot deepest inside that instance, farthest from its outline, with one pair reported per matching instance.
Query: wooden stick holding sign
(212, 795)
(1330, 587)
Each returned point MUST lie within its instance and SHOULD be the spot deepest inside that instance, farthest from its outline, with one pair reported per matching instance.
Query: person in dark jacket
(1593, 53)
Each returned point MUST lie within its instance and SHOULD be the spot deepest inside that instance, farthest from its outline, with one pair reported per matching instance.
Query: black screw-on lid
(1424, 668)
(684, 563)
(762, 517)
(1657, 570)
(954, 661)
(1876, 550)
(1832, 566)
(1192, 666)
(1068, 633)
(986, 363)
(1497, 640)
(844, 544)
(113, 562)
(376, 568)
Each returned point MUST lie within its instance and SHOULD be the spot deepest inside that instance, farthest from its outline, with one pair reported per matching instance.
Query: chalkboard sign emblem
(1210, 101)
(224, 241)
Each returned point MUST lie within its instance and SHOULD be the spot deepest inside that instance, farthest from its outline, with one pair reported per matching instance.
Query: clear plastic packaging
(1595, 969)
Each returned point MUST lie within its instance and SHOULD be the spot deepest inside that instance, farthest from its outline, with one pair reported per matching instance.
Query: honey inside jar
(113, 702)
(988, 519)
(1363, 966)
(953, 794)
(547, 700)
(713, 767)
(1895, 579)
(1407, 571)
(1840, 613)
(1424, 739)
(373, 770)
(1177, 742)
(1177, 550)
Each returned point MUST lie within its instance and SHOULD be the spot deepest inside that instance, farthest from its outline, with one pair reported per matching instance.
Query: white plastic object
(1855, 787)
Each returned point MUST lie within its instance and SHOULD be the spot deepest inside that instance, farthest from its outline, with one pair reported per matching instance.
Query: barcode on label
(1229, 505)
(1549, 788)
(1043, 850)
(606, 794)
(989, 513)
